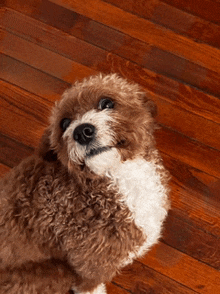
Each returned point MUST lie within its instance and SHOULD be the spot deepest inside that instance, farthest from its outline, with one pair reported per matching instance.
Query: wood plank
(42, 59)
(183, 269)
(106, 38)
(183, 96)
(31, 80)
(115, 289)
(194, 196)
(193, 241)
(170, 90)
(30, 115)
(3, 168)
(206, 9)
(146, 31)
(192, 180)
(172, 116)
(51, 38)
(188, 151)
(19, 100)
(8, 147)
(173, 18)
(138, 278)
(3, 3)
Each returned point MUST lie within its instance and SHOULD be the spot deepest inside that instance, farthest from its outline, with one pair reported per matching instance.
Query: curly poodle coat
(91, 199)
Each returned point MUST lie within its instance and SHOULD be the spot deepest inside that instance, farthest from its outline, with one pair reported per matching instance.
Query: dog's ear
(44, 149)
(151, 106)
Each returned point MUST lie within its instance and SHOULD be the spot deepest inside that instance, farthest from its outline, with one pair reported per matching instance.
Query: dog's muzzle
(84, 134)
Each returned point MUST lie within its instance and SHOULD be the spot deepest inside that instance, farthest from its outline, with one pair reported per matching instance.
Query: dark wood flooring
(172, 49)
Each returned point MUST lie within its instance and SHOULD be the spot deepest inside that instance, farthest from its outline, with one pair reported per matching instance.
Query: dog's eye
(65, 122)
(106, 102)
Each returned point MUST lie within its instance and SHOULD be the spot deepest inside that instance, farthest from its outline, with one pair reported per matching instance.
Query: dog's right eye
(65, 122)
(106, 103)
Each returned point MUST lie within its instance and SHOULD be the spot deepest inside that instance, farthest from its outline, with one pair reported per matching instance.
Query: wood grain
(3, 169)
(188, 151)
(12, 152)
(194, 195)
(207, 9)
(146, 31)
(183, 23)
(191, 240)
(172, 49)
(53, 40)
(139, 278)
(183, 269)
(93, 32)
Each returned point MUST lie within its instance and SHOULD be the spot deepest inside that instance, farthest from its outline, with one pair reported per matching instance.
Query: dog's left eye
(106, 102)
(65, 122)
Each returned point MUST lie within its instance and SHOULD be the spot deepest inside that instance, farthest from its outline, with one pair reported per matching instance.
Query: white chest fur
(140, 184)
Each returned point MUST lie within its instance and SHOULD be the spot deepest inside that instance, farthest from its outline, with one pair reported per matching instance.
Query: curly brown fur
(66, 218)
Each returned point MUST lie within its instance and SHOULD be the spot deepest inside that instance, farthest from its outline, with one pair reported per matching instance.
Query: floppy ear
(151, 106)
(44, 149)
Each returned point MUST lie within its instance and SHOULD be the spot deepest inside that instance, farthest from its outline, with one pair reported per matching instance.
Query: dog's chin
(103, 160)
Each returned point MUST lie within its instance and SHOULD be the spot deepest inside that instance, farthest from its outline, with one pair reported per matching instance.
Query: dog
(91, 199)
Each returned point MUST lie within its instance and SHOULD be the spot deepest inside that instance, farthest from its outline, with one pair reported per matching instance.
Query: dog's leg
(48, 277)
(101, 289)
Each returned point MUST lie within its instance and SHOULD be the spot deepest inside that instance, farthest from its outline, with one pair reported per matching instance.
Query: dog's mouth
(99, 150)
(96, 151)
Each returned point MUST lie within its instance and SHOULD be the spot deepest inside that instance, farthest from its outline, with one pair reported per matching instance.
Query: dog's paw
(101, 289)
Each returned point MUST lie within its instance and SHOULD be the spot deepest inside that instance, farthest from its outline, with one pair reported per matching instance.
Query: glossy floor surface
(172, 49)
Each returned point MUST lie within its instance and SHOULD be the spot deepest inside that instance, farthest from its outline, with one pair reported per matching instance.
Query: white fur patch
(143, 193)
(140, 184)
(104, 162)
(101, 289)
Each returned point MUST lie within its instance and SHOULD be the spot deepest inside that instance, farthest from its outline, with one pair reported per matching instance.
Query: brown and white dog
(93, 197)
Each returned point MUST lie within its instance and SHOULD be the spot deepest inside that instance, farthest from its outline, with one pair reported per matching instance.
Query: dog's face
(100, 122)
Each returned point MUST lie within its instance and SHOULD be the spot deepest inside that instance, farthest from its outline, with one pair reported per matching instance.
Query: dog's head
(99, 123)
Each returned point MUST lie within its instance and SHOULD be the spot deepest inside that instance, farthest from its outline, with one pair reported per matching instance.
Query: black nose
(84, 134)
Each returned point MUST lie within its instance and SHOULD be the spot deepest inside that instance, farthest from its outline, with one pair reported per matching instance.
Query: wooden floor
(172, 49)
